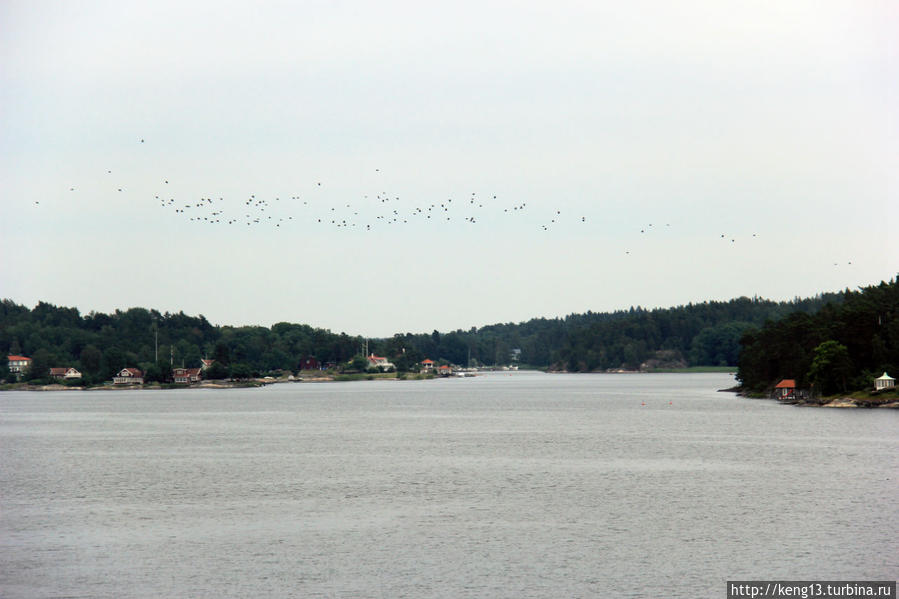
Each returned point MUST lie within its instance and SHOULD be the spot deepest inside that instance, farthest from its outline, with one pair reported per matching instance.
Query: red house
(187, 375)
(310, 363)
(785, 389)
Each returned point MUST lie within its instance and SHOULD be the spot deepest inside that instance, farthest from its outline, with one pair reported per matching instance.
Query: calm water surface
(505, 485)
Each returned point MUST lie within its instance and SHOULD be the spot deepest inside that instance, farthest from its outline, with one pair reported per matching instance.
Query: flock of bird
(317, 206)
(365, 212)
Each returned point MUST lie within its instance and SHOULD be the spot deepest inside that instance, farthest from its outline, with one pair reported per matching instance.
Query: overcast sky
(481, 162)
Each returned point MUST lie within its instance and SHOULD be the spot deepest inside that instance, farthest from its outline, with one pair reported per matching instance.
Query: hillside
(839, 348)
(100, 344)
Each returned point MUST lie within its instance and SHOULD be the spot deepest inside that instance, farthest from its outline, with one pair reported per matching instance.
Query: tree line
(100, 345)
(841, 347)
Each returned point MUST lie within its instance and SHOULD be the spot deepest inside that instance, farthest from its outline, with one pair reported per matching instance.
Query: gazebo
(884, 381)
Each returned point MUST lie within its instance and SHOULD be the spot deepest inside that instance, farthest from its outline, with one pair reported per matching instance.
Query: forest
(843, 346)
(99, 344)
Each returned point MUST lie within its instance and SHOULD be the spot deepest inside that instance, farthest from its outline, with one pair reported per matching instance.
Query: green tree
(831, 367)
(41, 362)
(359, 363)
(113, 361)
(160, 372)
(153, 374)
(241, 370)
(216, 371)
(222, 353)
(91, 360)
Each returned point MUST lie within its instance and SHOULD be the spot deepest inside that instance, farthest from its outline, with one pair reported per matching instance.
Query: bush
(216, 371)
(241, 371)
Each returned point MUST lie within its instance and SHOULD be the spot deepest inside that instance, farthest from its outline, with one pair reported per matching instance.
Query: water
(505, 485)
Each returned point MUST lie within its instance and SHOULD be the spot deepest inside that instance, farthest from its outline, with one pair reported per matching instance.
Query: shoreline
(212, 384)
(870, 403)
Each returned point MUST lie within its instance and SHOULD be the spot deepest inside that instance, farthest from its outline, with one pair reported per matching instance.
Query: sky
(391, 167)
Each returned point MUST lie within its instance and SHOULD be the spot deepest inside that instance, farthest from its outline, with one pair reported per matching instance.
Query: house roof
(18, 358)
(884, 377)
(187, 371)
(427, 361)
(444, 367)
(786, 384)
(131, 372)
(62, 370)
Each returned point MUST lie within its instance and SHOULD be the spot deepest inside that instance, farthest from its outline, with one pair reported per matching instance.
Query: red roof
(59, 371)
(444, 367)
(427, 361)
(17, 358)
(132, 371)
(786, 384)
(187, 372)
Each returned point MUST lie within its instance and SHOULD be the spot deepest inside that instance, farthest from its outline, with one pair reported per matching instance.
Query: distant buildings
(379, 362)
(18, 364)
(187, 375)
(309, 363)
(65, 373)
(129, 376)
(785, 389)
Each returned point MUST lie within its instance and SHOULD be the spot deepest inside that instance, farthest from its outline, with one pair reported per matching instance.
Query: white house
(379, 362)
(884, 381)
(129, 376)
(64, 372)
(18, 364)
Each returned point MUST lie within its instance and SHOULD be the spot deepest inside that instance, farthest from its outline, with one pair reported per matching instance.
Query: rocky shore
(849, 402)
(891, 402)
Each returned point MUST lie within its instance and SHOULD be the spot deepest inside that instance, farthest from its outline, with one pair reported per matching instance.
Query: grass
(880, 397)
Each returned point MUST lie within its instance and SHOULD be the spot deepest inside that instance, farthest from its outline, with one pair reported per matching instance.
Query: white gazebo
(884, 381)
